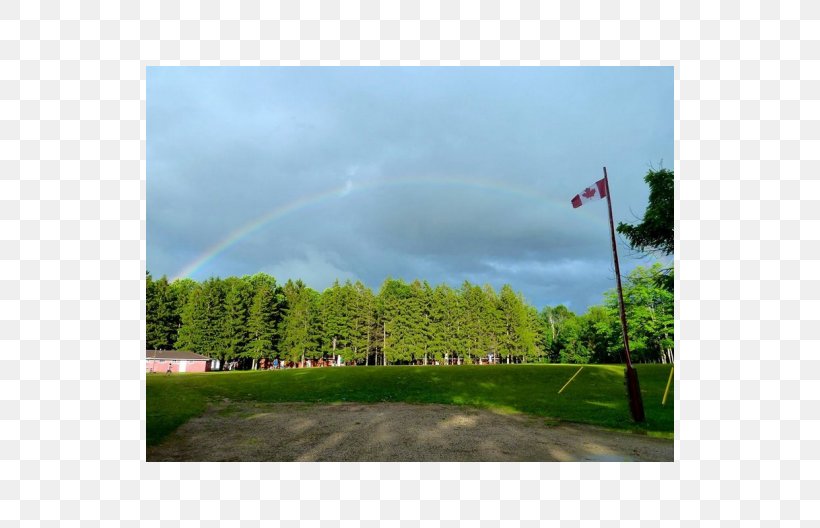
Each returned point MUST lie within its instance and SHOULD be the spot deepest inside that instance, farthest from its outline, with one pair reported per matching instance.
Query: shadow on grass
(596, 396)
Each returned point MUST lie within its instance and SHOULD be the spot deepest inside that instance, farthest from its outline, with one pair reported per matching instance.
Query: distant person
(169, 369)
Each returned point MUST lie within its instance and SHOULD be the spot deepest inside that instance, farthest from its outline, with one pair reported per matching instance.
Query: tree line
(253, 317)
(250, 318)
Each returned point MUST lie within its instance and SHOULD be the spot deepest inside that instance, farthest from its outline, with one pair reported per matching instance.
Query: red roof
(175, 354)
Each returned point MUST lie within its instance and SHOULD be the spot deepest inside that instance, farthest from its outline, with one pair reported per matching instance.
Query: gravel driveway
(394, 432)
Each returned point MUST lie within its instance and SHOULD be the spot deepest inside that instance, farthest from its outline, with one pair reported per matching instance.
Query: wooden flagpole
(633, 388)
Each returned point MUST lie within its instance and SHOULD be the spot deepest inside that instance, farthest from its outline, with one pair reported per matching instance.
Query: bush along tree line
(247, 319)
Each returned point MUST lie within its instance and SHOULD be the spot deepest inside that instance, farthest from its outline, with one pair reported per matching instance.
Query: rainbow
(348, 188)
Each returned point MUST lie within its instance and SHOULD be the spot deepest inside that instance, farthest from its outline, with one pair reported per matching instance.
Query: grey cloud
(225, 146)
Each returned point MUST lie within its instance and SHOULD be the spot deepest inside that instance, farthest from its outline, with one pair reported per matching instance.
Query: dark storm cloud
(227, 145)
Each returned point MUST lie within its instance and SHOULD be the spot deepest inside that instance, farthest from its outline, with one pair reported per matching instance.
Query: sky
(433, 173)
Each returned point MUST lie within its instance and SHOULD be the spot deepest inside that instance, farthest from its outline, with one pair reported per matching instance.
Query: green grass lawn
(596, 396)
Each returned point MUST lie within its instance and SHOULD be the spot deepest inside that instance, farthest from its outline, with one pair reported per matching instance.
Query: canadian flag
(596, 191)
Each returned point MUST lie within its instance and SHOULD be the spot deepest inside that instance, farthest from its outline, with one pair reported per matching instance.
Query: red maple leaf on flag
(589, 192)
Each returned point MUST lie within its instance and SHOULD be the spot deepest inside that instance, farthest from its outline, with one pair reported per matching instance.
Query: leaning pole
(632, 386)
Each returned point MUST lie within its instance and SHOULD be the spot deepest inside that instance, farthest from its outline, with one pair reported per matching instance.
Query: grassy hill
(596, 396)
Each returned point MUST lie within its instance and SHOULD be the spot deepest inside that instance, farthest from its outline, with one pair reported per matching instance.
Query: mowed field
(597, 396)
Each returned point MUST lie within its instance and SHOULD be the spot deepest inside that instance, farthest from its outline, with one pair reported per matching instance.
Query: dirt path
(394, 432)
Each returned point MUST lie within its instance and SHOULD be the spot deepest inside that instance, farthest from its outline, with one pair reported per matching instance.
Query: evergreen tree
(441, 324)
(335, 319)
(379, 329)
(514, 336)
(477, 323)
(493, 323)
(262, 321)
(362, 319)
(237, 305)
(404, 314)
(160, 314)
(203, 322)
(519, 326)
(181, 291)
(300, 325)
(426, 333)
(393, 292)
(458, 337)
(533, 335)
(416, 310)
(188, 335)
(254, 318)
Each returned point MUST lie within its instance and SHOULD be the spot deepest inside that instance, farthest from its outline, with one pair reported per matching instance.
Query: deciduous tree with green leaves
(555, 320)
(650, 312)
(655, 234)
